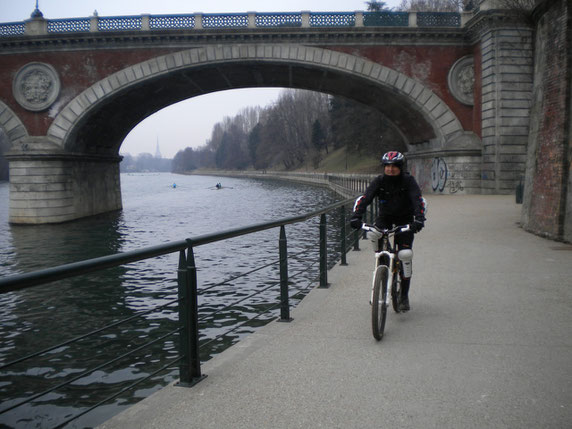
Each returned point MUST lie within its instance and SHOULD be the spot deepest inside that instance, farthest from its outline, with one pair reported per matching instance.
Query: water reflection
(39, 246)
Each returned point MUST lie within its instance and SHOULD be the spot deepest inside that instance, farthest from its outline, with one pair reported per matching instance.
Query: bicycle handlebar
(400, 228)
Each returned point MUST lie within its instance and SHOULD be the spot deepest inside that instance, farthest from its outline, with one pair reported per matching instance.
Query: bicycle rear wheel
(379, 307)
(396, 292)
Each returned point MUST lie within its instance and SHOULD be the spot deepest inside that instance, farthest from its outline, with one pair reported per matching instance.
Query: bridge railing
(200, 21)
(191, 315)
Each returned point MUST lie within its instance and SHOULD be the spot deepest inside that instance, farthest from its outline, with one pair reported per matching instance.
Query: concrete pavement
(487, 344)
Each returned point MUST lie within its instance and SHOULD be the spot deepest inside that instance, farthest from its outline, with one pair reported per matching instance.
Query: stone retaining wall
(547, 207)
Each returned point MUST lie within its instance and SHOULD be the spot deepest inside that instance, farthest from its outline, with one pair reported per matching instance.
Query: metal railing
(187, 330)
(200, 21)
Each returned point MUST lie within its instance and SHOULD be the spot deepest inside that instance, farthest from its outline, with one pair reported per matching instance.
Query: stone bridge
(457, 87)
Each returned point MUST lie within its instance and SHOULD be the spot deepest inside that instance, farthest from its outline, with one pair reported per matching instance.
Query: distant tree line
(299, 129)
(429, 5)
(437, 5)
(144, 162)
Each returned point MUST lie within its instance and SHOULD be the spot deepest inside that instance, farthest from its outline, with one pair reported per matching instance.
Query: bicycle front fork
(388, 259)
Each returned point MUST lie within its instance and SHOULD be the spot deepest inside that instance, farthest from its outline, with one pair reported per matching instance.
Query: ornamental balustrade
(199, 21)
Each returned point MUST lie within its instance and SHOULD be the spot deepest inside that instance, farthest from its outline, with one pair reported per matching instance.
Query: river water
(154, 212)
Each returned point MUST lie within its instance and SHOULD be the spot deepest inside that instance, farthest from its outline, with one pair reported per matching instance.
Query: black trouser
(403, 240)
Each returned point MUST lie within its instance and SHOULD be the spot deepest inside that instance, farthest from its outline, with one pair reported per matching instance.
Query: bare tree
(435, 5)
(522, 8)
(285, 136)
(376, 6)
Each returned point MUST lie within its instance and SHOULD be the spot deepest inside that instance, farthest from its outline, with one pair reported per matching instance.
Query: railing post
(251, 19)
(190, 366)
(198, 20)
(145, 22)
(412, 19)
(359, 18)
(94, 24)
(305, 19)
(284, 299)
(323, 253)
(356, 240)
(343, 243)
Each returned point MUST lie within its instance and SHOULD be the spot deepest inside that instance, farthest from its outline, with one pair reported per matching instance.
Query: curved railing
(200, 21)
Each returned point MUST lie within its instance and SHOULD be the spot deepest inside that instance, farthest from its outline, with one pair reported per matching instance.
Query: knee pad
(406, 258)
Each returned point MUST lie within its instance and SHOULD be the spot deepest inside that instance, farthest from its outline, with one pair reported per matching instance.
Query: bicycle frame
(387, 249)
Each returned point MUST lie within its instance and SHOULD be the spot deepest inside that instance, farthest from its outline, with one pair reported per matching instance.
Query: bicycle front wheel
(378, 305)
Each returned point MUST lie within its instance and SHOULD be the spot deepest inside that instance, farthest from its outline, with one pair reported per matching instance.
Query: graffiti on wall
(456, 186)
(442, 176)
(438, 174)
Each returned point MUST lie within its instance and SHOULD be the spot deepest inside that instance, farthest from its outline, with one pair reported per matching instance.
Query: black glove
(417, 225)
(356, 222)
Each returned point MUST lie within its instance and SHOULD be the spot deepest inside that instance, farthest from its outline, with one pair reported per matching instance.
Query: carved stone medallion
(36, 86)
(461, 80)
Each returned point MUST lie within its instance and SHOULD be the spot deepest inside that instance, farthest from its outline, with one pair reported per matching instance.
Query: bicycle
(386, 262)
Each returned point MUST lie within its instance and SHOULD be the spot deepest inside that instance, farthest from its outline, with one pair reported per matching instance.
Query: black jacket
(399, 198)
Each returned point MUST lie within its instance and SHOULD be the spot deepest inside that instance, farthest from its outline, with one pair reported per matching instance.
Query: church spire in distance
(157, 150)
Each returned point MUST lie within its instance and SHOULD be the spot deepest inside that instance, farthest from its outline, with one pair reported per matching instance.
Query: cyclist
(400, 203)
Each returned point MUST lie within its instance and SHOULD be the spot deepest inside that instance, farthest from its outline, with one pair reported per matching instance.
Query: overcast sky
(190, 122)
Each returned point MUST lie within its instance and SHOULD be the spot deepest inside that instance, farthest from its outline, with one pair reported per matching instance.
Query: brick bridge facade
(457, 87)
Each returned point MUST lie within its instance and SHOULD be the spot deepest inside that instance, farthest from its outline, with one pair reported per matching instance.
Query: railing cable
(235, 277)
(264, 311)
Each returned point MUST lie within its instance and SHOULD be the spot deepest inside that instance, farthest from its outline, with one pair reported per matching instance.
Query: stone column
(507, 70)
(48, 185)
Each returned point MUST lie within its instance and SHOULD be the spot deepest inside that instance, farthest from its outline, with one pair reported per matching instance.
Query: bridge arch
(138, 91)
(11, 124)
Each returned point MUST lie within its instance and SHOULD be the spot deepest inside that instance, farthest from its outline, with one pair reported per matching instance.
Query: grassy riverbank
(337, 161)
(340, 161)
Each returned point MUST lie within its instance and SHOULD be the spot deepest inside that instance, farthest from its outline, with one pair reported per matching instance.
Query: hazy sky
(190, 122)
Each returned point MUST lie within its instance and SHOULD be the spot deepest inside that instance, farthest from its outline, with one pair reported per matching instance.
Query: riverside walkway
(487, 344)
